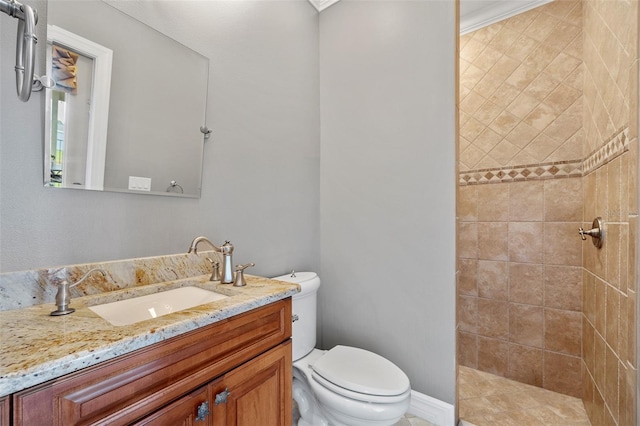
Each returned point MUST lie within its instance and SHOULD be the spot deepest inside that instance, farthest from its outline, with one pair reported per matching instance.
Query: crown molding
(495, 11)
(322, 4)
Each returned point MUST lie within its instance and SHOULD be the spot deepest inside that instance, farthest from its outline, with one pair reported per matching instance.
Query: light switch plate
(137, 183)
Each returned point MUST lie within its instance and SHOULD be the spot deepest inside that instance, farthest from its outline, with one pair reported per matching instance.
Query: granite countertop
(37, 347)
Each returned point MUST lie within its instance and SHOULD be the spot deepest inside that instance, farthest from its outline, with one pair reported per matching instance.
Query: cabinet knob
(221, 398)
(203, 411)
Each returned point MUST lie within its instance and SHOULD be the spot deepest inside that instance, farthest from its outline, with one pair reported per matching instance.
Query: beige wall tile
(526, 201)
(504, 123)
(563, 200)
(493, 279)
(467, 205)
(588, 352)
(562, 331)
(526, 325)
(493, 202)
(525, 244)
(541, 147)
(623, 327)
(632, 255)
(600, 305)
(589, 296)
(467, 350)
(468, 277)
(598, 408)
(492, 240)
(487, 112)
(589, 188)
(493, 319)
(599, 357)
(612, 251)
(493, 356)
(525, 364)
(633, 177)
(613, 212)
(563, 287)
(526, 283)
(631, 336)
(612, 321)
(611, 382)
(562, 373)
(562, 97)
(562, 244)
(601, 192)
(587, 394)
(522, 134)
(504, 95)
(468, 314)
(468, 240)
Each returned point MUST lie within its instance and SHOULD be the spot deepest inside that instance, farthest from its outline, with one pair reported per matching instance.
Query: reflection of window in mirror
(57, 137)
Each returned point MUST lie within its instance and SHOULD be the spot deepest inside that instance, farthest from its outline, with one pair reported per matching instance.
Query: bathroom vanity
(223, 363)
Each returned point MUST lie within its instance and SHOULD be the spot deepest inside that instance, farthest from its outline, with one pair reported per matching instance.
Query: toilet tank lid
(308, 281)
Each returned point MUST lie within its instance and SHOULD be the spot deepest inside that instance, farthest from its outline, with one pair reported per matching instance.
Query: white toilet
(344, 386)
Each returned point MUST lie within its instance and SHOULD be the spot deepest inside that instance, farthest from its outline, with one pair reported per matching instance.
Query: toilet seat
(361, 375)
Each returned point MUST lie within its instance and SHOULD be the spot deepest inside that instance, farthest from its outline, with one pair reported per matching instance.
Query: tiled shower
(548, 141)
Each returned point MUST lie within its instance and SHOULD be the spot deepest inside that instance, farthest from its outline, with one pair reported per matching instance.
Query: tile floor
(488, 400)
(409, 420)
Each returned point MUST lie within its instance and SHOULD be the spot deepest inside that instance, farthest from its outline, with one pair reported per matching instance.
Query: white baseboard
(432, 410)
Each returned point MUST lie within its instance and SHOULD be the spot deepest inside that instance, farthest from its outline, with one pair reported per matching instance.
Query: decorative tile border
(617, 145)
(554, 170)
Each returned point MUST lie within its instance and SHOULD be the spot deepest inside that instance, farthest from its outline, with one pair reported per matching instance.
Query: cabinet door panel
(4, 411)
(183, 412)
(259, 391)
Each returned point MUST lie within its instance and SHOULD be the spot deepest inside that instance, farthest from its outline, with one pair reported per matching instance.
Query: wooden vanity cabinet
(246, 358)
(250, 395)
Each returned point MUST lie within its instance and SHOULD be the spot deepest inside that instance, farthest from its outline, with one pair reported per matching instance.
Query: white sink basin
(136, 309)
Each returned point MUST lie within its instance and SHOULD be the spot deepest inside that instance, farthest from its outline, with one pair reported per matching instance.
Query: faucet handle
(215, 273)
(239, 281)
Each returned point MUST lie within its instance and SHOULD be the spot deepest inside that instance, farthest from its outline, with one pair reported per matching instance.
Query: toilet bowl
(344, 386)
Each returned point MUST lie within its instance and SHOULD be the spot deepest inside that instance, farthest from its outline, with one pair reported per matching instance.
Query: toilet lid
(361, 371)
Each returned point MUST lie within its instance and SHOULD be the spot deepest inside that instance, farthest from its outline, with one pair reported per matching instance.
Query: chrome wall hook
(596, 232)
(205, 131)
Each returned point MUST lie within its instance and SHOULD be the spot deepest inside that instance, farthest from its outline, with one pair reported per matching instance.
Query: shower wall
(520, 199)
(610, 191)
(535, 303)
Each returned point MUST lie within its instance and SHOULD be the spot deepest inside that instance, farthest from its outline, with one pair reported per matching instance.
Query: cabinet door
(256, 393)
(4, 411)
(186, 411)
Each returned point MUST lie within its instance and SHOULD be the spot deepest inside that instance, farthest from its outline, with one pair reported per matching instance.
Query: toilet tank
(304, 311)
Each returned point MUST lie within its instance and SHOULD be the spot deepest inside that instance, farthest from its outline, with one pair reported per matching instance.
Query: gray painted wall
(261, 166)
(387, 95)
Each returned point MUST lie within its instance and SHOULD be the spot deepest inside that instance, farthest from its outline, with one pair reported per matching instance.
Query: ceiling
(474, 14)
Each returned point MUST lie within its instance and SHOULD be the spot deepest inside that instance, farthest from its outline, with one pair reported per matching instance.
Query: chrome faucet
(63, 298)
(226, 275)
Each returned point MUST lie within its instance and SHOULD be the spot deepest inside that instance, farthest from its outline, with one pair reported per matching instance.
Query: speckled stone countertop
(36, 347)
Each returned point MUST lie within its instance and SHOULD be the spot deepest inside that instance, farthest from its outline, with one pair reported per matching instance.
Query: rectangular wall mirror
(127, 107)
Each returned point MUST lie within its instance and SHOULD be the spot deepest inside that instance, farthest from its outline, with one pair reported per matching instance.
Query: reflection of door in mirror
(77, 110)
(70, 100)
